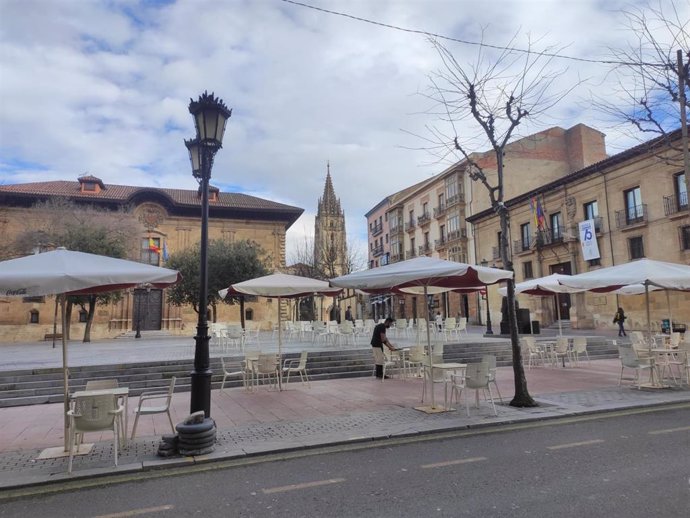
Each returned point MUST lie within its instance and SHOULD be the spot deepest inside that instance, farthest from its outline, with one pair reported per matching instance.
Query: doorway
(562, 299)
(148, 305)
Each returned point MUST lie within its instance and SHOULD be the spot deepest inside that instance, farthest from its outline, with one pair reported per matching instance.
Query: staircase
(38, 386)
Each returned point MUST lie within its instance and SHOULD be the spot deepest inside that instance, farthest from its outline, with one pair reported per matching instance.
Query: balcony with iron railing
(631, 217)
(425, 249)
(522, 245)
(376, 228)
(451, 201)
(552, 236)
(675, 204)
(409, 254)
(396, 228)
(410, 225)
(424, 219)
(377, 251)
(440, 244)
(456, 235)
(440, 210)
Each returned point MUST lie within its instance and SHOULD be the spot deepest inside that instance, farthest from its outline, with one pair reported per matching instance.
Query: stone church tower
(330, 242)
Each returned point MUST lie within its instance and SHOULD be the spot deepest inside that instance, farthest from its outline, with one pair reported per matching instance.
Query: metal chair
(164, 408)
(228, 372)
(296, 366)
(491, 360)
(580, 347)
(477, 378)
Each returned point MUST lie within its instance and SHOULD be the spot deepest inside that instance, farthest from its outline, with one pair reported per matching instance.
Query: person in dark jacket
(348, 315)
(378, 340)
(619, 318)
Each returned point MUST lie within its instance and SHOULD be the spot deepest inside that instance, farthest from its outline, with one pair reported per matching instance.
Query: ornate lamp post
(210, 117)
(489, 331)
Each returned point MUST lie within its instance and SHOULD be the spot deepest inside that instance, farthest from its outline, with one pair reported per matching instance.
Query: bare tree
(498, 93)
(653, 78)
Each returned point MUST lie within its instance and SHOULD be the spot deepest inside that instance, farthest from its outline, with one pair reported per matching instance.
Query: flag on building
(165, 250)
(537, 213)
(153, 246)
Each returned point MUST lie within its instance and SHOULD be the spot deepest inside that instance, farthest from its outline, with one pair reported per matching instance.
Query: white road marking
(305, 485)
(136, 512)
(670, 430)
(452, 462)
(574, 444)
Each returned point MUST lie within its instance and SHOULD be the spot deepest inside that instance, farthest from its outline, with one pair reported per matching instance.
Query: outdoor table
(444, 367)
(670, 354)
(119, 392)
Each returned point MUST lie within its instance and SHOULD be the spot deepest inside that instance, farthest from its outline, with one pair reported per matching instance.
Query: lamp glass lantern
(194, 155)
(210, 117)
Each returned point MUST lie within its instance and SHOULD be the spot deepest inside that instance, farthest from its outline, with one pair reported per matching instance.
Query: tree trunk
(89, 318)
(522, 397)
(242, 310)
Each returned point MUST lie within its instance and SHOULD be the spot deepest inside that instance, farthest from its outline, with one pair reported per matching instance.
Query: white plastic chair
(491, 361)
(93, 414)
(415, 359)
(630, 360)
(266, 368)
(580, 347)
(477, 378)
(228, 372)
(164, 408)
(561, 350)
(296, 366)
(234, 336)
(535, 354)
(346, 333)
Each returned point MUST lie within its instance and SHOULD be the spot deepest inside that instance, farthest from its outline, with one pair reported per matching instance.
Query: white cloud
(103, 87)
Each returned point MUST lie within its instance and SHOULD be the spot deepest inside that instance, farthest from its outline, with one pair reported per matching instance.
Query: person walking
(619, 318)
(378, 340)
(348, 315)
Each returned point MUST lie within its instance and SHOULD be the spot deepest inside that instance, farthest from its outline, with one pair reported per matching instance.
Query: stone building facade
(169, 221)
(639, 204)
(430, 217)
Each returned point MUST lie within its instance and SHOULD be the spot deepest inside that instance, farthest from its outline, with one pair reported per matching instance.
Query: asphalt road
(624, 464)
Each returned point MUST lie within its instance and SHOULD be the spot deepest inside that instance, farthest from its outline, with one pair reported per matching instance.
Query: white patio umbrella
(544, 287)
(64, 272)
(425, 273)
(645, 272)
(280, 285)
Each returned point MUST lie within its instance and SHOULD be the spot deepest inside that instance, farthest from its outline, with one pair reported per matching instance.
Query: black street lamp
(210, 117)
(489, 331)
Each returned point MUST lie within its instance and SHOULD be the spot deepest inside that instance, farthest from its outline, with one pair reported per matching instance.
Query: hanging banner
(588, 240)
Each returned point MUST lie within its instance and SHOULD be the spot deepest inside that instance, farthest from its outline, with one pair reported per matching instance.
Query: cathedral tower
(330, 242)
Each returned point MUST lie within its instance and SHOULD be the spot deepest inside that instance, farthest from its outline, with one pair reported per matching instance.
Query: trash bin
(665, 326)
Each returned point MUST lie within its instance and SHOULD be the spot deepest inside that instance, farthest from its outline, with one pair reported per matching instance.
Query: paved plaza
(327, 412)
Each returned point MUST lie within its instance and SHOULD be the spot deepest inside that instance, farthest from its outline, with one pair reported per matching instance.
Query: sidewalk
(329, 412)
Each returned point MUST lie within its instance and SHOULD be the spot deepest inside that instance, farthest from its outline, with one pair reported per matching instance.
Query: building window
(527, 270)
(525, 233)
(681, 191)
(33, 316)
(451, 186)
(636, 247)
(594, 262)
(556, 226)
(150, 250)
(83, 316)
(591, 210)
(685, 238)
(249, 314)
(634, 212)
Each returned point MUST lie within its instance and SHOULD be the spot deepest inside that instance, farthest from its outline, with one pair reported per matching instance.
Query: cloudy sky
(103, 87)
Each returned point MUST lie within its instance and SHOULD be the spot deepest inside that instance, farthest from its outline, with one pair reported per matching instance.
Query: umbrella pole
(57, 300)
(670, 314)
(280, 347)
(649, 321)
(430, 350)
(65, 371)
(558, 312)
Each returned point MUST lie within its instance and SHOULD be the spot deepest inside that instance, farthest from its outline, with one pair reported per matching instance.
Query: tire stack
(196, 435)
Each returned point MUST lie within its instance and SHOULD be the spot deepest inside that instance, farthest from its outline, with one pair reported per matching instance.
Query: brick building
(168, 221)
